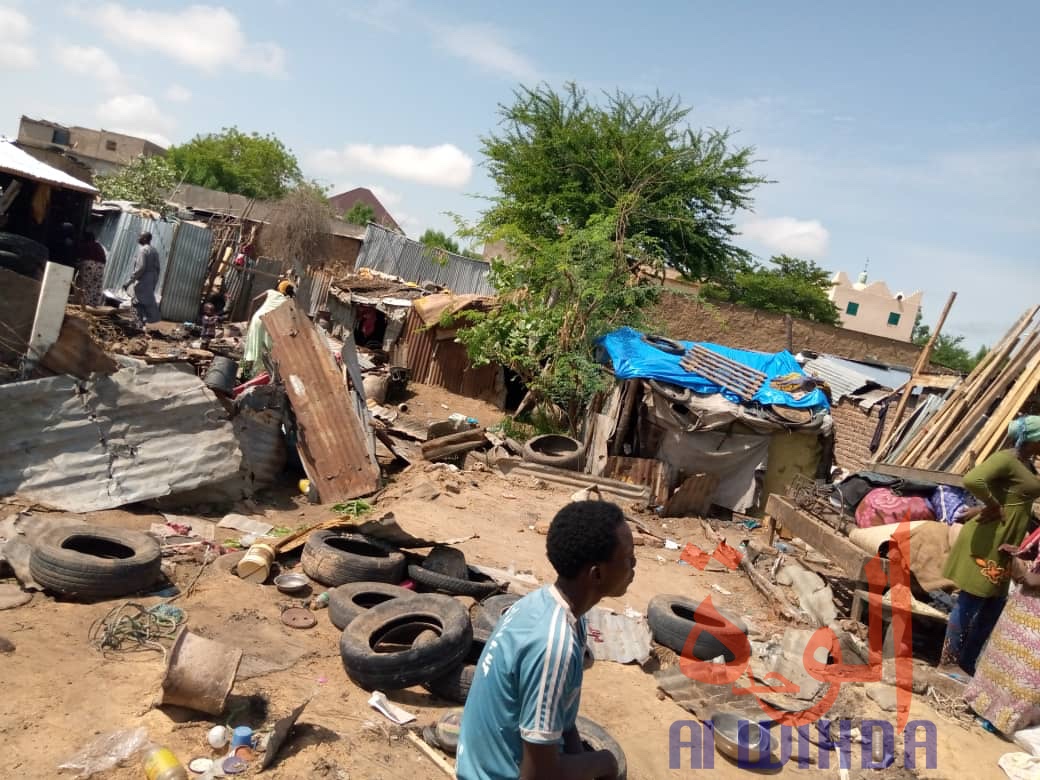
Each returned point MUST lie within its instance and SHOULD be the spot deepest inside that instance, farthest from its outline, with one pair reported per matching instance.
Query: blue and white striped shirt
(527, 686)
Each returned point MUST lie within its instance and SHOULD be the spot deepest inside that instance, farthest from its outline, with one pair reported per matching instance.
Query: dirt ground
(59, 692)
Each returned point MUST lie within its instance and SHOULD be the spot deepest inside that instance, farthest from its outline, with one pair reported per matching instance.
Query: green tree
(146, 181)
(794, 286)
(360, 213)
(250, 164)
(948, 351)
(438, 240)
(561, 161)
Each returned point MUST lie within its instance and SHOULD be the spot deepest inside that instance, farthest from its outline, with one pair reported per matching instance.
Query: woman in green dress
(1007, 484)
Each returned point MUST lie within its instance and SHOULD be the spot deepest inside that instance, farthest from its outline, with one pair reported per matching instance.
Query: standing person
(145, 278)
(258, 342)
(1007, 484)
(1006, 687)
(91, 274)
(520, 713)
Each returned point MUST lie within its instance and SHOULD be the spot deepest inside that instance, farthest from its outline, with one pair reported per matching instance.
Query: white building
(872, 308)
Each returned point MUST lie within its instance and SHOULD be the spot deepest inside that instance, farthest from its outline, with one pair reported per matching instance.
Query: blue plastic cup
(242, 735)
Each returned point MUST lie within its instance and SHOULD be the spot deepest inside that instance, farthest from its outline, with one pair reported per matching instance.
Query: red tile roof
(345, 201)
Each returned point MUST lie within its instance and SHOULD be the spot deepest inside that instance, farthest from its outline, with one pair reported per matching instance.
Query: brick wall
(684, 317)
(853, 429)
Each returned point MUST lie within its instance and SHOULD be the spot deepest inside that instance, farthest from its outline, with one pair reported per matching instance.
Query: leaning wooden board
(726, 373)
(332, 442)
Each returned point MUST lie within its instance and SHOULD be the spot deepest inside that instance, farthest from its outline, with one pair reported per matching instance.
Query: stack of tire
(395, 637)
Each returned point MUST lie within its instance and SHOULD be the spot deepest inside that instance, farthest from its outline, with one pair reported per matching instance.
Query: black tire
(448, 561)
(89, 562)
(348, 601)
(595, 737)
(554, 449)
(478, 586)
(671, 346)
(487, 613)
(671, 620)
(674, 393)
(23, 266)
(402, 620)
(336, 559)
(23, 247)
(455, 684)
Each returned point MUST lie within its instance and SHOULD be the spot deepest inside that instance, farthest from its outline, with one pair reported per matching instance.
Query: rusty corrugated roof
(332, 442)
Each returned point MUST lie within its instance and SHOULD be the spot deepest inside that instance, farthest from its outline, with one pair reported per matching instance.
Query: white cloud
(443, 166)
(178, 94)
(205, 37)
(136, 115)
(787, 235)
(482, 44)
(15, 30)
(90, 61)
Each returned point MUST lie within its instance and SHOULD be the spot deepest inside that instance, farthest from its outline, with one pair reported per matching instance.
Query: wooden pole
(922, 361)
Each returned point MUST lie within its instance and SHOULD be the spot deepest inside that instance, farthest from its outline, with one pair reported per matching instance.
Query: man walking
(521, 710)
(145, 278)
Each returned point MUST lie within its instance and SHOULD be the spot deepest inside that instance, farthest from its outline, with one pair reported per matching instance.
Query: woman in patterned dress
(91, 273)
(1006, 687)
(1007, 484)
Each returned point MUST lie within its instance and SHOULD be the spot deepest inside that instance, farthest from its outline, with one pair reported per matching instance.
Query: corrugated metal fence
(392, 253)
(183, 259)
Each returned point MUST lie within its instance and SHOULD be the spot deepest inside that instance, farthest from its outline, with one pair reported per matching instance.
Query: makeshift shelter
(742, 425)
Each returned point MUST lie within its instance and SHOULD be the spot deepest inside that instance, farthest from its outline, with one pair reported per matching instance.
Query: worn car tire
(348, 601)
(553, 449)
(674, 393)
(411, 663)
(89, 562)
(671, 346)
(336, 559)
(478, 586)
(595, 737)
(671, 620)
(454, 685)
(487, 613)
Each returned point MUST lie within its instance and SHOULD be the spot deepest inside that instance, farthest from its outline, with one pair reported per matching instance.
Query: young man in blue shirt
(519, 717)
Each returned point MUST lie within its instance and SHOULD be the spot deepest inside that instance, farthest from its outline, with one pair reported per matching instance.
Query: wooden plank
(693, 498)
(333, 443)
(920, 475)
(922, 361)
(50, 311)
(819, 535)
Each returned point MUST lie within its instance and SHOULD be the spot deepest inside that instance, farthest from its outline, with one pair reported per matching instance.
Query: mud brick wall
(853, 429)
(684, 317)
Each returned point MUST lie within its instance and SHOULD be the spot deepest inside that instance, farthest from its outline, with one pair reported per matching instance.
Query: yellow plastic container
(255, 565)
(161, 764)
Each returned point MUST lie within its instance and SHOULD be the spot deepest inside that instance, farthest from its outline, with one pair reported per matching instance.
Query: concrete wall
(684, 317)
(874, 304)
(93, 147)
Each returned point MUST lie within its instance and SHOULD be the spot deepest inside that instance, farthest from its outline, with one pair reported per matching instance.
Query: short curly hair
(583, 533)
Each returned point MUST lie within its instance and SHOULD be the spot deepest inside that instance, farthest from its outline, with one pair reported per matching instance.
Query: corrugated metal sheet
(260, 436)
(845, 377)
(14, 161)
(332, 444)
(314, 291)
(443, 363)
(392, 253)
(138, 434)
(183, 259)
(185, 273)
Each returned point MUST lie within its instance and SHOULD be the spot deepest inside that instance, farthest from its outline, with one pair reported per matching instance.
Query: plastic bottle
(161, 764)
(320, 601)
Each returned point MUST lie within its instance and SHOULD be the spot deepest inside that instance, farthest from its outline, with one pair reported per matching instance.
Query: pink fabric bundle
(881, 507)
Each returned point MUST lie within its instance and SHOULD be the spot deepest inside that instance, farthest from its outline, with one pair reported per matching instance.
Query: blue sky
(906, 133)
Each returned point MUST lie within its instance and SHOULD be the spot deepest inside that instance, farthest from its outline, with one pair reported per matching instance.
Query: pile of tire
(394, 636)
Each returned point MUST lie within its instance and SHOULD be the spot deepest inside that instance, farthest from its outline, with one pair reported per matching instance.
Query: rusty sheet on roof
(333, 444)
(139, 434)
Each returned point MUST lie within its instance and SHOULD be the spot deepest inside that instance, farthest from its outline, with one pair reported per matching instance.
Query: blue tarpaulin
(633, 358)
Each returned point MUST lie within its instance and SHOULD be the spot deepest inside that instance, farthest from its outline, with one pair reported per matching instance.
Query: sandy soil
(59, 692)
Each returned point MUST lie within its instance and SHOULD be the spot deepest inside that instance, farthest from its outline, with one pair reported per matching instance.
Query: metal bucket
(200, 673)
(221, 376)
